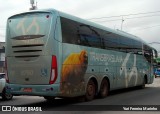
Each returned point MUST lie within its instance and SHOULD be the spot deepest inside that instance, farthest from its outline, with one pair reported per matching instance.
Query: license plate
(27, 89)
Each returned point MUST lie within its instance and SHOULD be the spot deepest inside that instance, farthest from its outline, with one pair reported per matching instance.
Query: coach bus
(53, 54)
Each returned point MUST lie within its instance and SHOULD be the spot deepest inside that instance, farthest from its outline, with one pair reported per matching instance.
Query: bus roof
(74, 18)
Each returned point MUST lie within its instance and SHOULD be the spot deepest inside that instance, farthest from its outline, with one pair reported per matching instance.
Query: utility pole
(33, 6)
(122, 23)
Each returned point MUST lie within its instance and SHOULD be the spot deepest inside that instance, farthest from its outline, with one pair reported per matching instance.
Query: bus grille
(27, 51)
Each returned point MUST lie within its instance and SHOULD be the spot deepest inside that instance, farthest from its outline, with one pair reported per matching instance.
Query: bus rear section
(30, 59)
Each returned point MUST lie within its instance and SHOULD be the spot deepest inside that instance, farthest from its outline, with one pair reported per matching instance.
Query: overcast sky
(144, 24)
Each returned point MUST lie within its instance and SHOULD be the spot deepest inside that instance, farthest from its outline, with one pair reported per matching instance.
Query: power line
(154, 43)
(148, 27)
(127, 18)
(142, 16)
(125, 15)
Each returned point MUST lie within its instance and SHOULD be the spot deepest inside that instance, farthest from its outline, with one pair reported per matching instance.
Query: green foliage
(157, 60)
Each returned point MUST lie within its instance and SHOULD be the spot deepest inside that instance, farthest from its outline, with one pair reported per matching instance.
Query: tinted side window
(69, 31)
(147, 53)
(89, 36)
(126, 44)
(82, 34)
(78, 33)
(138, 47)
(111, 41)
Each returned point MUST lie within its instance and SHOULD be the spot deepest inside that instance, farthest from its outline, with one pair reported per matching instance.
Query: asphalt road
(120, 98)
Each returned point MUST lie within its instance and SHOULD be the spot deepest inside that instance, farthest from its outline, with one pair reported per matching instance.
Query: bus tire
(104, 89)
(144, 82)
(49, 98)
(90, 90)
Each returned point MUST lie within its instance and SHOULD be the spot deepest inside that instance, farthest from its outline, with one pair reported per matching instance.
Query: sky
(140, 17)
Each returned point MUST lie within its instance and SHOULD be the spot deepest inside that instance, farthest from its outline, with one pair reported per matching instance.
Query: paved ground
(148, 96)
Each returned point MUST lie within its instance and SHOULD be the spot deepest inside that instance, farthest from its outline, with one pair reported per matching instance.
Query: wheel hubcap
(90, 90)
(104, 89)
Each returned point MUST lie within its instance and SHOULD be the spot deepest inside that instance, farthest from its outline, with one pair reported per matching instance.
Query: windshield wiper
(27, 37)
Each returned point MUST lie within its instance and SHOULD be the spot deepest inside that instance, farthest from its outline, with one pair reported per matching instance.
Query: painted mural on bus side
(73, 71)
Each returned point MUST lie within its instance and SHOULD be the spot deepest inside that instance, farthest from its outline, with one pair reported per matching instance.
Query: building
(2, 56)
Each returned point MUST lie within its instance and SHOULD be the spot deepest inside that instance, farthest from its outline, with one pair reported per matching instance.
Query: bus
(53, 54)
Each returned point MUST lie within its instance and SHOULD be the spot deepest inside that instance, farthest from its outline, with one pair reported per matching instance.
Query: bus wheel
(90, 91)
(104, 89)
(49, 98)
